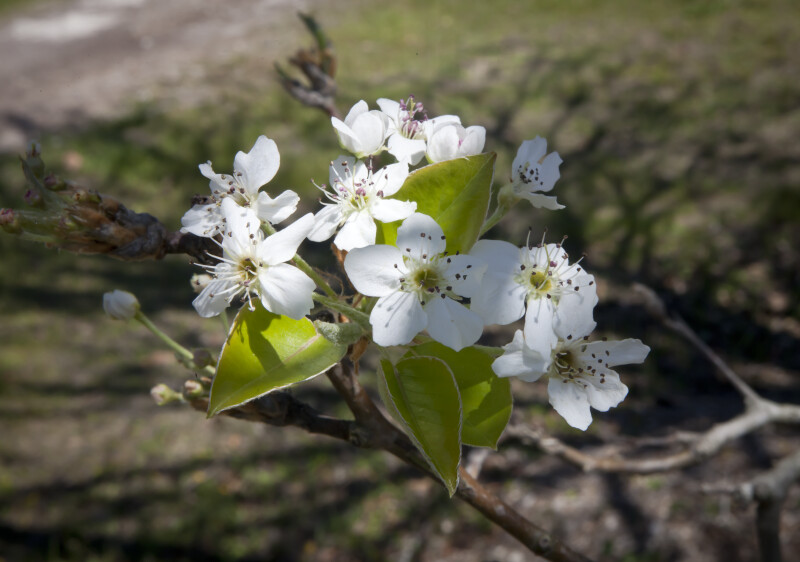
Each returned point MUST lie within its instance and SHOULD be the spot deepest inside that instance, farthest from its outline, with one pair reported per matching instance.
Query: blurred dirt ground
(679, 128)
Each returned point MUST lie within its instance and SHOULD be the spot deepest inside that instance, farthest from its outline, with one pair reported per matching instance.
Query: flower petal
(419, 235)
(539, 335)
(390, 210)
(397, 318)
(452, 324)
(214, 298)
(403, 148)
(518, 360)
(202, 220)
(571, 401)
(501, 299)
(464, 273)
(390, 179)
(443, 144)
(472, 142)
(370, 130)
(540, 201)
(359, 230)
(259, 165)
(286, 290)
(326, 222)
(528, 155)
(282, 246)
(624, 352)
(276, 210)
(375, 271)
(607, 394)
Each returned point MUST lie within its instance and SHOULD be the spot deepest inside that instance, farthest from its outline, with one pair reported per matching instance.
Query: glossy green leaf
(455, 193)
(485, 398)
(422, 395)
(265, 352)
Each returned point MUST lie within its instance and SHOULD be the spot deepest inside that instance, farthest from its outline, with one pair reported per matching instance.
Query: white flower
(450, 140)
(357, 201)
(120, 305)
(538, 282)
(408, 128)
(362, 132)
(254, 265)
(251, 171)
(532, 173)
(418, 286)
(579, 372)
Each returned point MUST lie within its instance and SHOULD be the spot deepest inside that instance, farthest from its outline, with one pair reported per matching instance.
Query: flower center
(248, 271)
(410, 127)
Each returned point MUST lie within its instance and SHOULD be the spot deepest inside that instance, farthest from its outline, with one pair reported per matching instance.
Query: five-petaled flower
(357, 200)
(538, 282)
(533, 173)
(363, 132)
(419, 286)
(254, 265)
(251, 171)
(578, 372)
(409, 128)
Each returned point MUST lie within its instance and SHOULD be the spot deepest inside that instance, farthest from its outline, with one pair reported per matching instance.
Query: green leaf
(265, 352)
(455, 193)
(421, 394)
(485, 397)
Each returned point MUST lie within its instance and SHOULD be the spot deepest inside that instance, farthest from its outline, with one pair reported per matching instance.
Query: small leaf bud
(120, 305)
(193, 389)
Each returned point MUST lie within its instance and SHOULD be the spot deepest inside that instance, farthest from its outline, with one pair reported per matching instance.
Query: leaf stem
(353, 314)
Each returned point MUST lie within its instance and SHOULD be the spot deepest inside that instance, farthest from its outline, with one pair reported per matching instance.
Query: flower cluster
(415, 284)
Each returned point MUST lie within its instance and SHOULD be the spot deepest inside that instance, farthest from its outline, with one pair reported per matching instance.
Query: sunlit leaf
(421, 393)
(455, 193)
(265, 352)
(485, 398)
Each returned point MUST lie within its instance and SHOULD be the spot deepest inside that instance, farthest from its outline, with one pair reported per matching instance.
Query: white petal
(218, 183)
(397, 318)
(539, 335)
(391, 178)
(259, 165)
(549, 172)
(420, 235)
(282, 246)
(501, 299)
(443, 144)
(574, 313)
(390, 210)
(347, 137)
(326, 222)
(613, 353)
(341, 170)
(202, 220)
(529, 154)
(607, 394)
(241, 230)
(359, 230)
(518, 360)
(464, 273)
(452, 324)
(571, 401)
(390, 107)
(358, 108)
(370, 130)
(406, 149)
(541, 201)
(213, 299)
(372, 270)
(276, 210)
(286, 290)
(473, 141)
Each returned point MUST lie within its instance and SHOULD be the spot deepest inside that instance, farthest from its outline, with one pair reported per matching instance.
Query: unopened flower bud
(202, 358)
(120, 305)
(9, 221)
(199, 282)
(33, 198)
(193, 389)
(54, 183)
(163, 394)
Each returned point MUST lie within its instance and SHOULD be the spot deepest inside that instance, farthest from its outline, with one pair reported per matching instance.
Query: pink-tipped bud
(32, 198)
(193, 389)
(163, 394)
(9, 221)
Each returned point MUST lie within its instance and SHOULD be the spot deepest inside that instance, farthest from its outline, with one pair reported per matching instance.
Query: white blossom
(578, 372)
(251, 171)
(363, 132)
(537, 282)
(120, 305)
(419, 286)
(533, 173)
(450, 140)
(409, 127)
(254, 265)
(357, 200)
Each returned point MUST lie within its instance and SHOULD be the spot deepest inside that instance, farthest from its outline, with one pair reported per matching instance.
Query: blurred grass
(678, 123)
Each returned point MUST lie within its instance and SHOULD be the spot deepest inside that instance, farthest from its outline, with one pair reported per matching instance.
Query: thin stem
(353, 314)
(226, 325)
(182, 352)
(499, 212)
